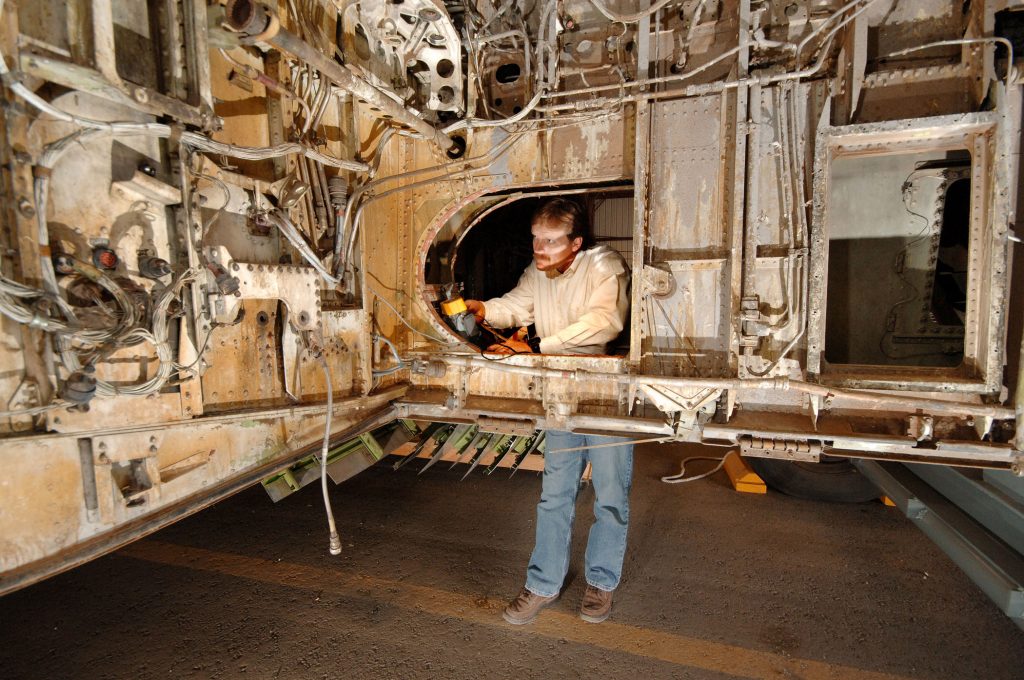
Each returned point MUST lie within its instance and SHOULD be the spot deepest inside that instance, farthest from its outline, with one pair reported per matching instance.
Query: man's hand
(514, 345)
(511, 347)
(477, 309)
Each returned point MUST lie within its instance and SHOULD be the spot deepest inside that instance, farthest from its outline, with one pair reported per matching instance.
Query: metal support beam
(979, 499)
(993, 567)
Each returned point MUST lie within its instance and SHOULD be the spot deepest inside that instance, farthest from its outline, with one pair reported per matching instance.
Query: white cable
(406, 323)
(658, 440)
(628, 18)
(335, 540)
(399, 364)
(478, 123)
(832, 17)
(256, 153)
(680, 478)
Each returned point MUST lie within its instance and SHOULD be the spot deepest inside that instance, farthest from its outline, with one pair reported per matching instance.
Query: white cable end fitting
(335, 543)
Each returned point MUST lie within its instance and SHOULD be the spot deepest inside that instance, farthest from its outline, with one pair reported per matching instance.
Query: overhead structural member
(258, 23)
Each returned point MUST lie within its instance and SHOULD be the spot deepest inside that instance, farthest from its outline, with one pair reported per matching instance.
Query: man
(578, 299)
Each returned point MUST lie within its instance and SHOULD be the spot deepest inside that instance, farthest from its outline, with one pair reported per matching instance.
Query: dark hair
(566, 212)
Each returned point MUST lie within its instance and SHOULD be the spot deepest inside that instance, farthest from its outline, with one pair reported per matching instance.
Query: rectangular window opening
(899, 227)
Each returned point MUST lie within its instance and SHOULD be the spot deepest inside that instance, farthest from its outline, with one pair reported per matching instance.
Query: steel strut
(479, 454)
(428, 434)
(436, 454)
(462, 452)
(511, 444)
(538, 439)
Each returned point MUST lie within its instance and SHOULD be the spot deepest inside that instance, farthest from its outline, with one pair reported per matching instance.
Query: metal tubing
(877, 400)
(319, 198)
(244, 17)
(341, 77)
(892, 448)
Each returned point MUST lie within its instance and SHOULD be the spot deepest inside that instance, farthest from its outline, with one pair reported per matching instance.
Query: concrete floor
(716, 585)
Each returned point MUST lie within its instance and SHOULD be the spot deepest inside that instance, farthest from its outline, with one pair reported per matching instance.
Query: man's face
(552, 249)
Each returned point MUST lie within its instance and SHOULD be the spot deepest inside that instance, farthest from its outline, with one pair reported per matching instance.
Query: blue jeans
(612, 477)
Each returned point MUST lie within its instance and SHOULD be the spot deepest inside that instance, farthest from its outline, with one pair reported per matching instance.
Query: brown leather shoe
(597, 604)
(525, 607)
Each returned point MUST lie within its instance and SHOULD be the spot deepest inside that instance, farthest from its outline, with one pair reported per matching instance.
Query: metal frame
(96, 72)
(975, 133)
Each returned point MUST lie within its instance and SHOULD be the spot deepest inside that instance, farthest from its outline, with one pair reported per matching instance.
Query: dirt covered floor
(716, 585)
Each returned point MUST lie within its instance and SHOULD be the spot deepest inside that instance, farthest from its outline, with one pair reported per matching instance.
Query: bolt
(25, 208)
(153, 449)
(140, 95)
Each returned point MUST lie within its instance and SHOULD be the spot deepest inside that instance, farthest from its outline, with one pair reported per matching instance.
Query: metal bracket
(297, 287)
(920, 428)
(686, 410)
(657, 282)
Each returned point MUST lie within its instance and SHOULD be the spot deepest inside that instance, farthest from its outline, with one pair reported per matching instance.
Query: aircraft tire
(834, 480)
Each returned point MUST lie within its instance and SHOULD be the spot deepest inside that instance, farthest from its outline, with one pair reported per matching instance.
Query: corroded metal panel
(686, 194)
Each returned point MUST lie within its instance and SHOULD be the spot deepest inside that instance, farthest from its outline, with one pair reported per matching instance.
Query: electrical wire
(629, 18)
(401, 318)
(680, 477)
(335, 540)
(899, 262)
(832, 17)
(399, 363)
(652, 440)
(478, 123)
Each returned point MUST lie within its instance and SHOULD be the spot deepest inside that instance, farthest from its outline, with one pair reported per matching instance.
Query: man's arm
(514, 308)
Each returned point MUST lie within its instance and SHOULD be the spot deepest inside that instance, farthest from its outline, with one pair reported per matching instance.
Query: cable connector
(335, 548)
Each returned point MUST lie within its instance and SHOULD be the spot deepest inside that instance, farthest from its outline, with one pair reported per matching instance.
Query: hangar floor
(716, 585)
